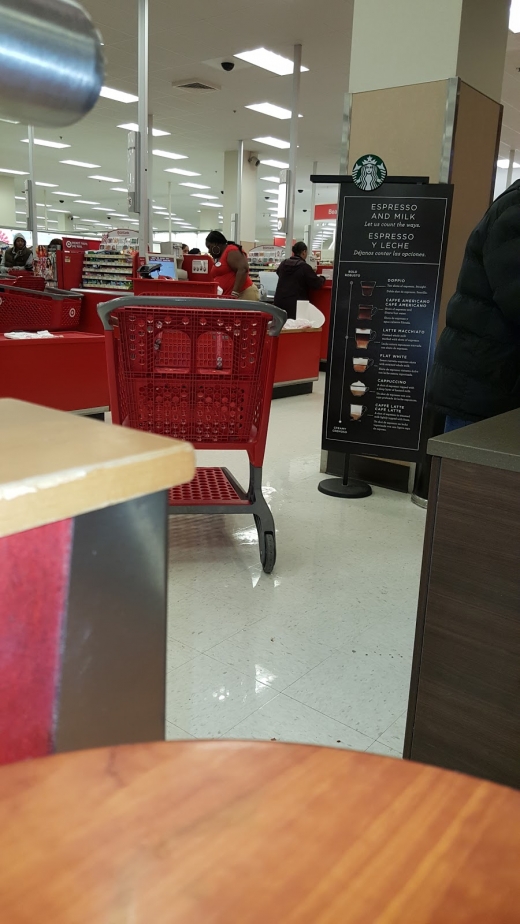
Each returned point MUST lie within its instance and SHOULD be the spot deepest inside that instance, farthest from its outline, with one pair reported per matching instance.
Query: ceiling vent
(194, 85)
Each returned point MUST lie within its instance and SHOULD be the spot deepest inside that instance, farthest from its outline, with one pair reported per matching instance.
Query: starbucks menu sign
(391, 246)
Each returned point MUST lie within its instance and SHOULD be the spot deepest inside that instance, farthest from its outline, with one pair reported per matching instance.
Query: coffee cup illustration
(367, 288)
(357, 411)
(366, 312)
(358, 389)
(361, 363)
(364, 336)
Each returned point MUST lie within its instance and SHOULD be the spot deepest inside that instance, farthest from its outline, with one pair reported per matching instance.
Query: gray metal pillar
(240, 177)
(511, 167)
(142, 65)
(32, 218)
(293, 138)
(313, 206)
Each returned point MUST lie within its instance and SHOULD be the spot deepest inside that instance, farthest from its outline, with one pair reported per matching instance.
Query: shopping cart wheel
(269, 556)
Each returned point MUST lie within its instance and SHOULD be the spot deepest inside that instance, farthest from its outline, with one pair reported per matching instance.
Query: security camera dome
(227, 65)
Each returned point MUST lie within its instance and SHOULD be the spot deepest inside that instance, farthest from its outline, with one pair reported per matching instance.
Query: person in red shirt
(231, 268)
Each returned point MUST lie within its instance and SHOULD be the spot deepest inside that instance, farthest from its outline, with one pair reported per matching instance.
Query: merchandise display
(108, 270)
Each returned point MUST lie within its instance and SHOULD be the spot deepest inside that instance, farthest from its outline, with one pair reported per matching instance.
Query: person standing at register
(231, 268)
(19, 255)
(296, 279)
(476, 370)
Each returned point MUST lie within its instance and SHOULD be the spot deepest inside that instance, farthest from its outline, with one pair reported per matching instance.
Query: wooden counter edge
(35, 502)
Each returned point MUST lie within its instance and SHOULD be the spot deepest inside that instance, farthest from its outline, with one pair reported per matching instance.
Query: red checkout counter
(322, 299)
(68, 372)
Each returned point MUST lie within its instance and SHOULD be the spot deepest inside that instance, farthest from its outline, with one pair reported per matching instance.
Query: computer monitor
(168, 265)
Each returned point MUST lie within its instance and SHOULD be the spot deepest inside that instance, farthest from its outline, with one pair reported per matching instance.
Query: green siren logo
(369, 172)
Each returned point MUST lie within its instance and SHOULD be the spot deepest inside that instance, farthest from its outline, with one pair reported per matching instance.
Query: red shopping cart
(200, 370)
(29, 309)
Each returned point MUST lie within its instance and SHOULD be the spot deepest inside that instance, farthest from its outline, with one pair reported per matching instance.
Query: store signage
(323, 212)
(369, 172)
(388, 272)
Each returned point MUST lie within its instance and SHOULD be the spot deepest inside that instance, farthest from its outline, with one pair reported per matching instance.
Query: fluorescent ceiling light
(10, 121)
(202, 196)
(273, 142)
(105, 179)
(101, 208)
(49, 185)
(119, 189)
(118, 95)
(86, 202)
(71, 195)
(169, 154)
(20, 213)
(269, 60)
(61, 211)
(504, 162)
(14, 172)
(195, 185)
(271, 191)
(181, 172)
(514, 16)
(212, 205)
(277, 112)
(133, 127)
(46, 144)
(91, 221)
(270, 179)
(275, 163)
(273, 209)
(20, 198)
(80, 163)
(118, 215)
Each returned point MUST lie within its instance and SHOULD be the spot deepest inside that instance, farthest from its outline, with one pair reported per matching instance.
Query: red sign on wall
(322, 212)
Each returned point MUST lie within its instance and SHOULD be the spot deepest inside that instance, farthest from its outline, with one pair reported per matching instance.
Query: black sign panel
(390, 251)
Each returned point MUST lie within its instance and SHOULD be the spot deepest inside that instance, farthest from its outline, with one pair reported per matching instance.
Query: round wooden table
(241, 832)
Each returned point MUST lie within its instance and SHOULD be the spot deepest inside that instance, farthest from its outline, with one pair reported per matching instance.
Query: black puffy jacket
(476, 371)
(295, 280)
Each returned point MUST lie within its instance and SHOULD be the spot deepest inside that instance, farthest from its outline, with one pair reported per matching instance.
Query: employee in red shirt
(231, 268)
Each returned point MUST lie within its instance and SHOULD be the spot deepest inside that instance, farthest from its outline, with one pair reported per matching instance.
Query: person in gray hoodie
(19, 255)
(295, 280)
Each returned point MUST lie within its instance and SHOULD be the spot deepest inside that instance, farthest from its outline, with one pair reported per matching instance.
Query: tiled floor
(318, 652)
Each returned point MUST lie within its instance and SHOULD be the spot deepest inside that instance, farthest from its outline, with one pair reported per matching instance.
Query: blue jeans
(455, 423)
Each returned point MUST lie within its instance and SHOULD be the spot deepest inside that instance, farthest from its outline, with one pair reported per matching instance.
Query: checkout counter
(464, 699)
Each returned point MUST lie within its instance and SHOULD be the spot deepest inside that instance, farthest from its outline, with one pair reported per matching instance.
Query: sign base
(334, 487)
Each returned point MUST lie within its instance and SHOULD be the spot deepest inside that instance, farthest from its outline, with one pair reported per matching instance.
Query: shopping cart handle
(278, 315)
(56, 294)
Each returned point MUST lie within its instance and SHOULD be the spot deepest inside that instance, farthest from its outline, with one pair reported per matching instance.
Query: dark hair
(299, 247)
(216, 237)
(56, 242)
(194, 250)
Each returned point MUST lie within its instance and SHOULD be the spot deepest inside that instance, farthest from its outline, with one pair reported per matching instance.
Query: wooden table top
(56, 465)
(243, 833)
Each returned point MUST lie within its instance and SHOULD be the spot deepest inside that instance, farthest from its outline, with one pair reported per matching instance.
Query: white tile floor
(320, 651)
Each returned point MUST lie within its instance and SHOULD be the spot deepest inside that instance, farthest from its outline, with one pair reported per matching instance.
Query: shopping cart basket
(200, 370)
(28, 309)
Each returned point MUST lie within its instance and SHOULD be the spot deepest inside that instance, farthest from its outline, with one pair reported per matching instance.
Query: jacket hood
(292, 264)
(19, 237)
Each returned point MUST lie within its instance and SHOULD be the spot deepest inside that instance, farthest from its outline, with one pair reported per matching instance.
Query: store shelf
(108, 270)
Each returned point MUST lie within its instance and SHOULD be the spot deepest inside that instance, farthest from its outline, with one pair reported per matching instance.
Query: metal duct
(51, 62)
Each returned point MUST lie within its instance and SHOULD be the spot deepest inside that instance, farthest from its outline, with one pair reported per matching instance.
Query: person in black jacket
(19, 255)
(295, 280)
(476, 371)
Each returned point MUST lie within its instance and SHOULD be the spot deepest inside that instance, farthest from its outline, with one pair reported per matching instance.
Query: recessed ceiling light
(514, 16)
(195, 185)
(105, 179)
(71, 195)
(80, 163)
(46, 144)
(49, 185)
(181, 172)
(212, 205)
(169, 154)
(275, 163)
(119, 189)
(202, 196)
(273, 142)
(504, 162)
(14, 172)
(270, 179)
(269, 109)
(118, 95)
(269, 60)
(133, 127)
(86, 202)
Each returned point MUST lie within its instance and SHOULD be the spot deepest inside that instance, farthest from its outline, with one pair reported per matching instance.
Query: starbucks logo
(369, 172)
